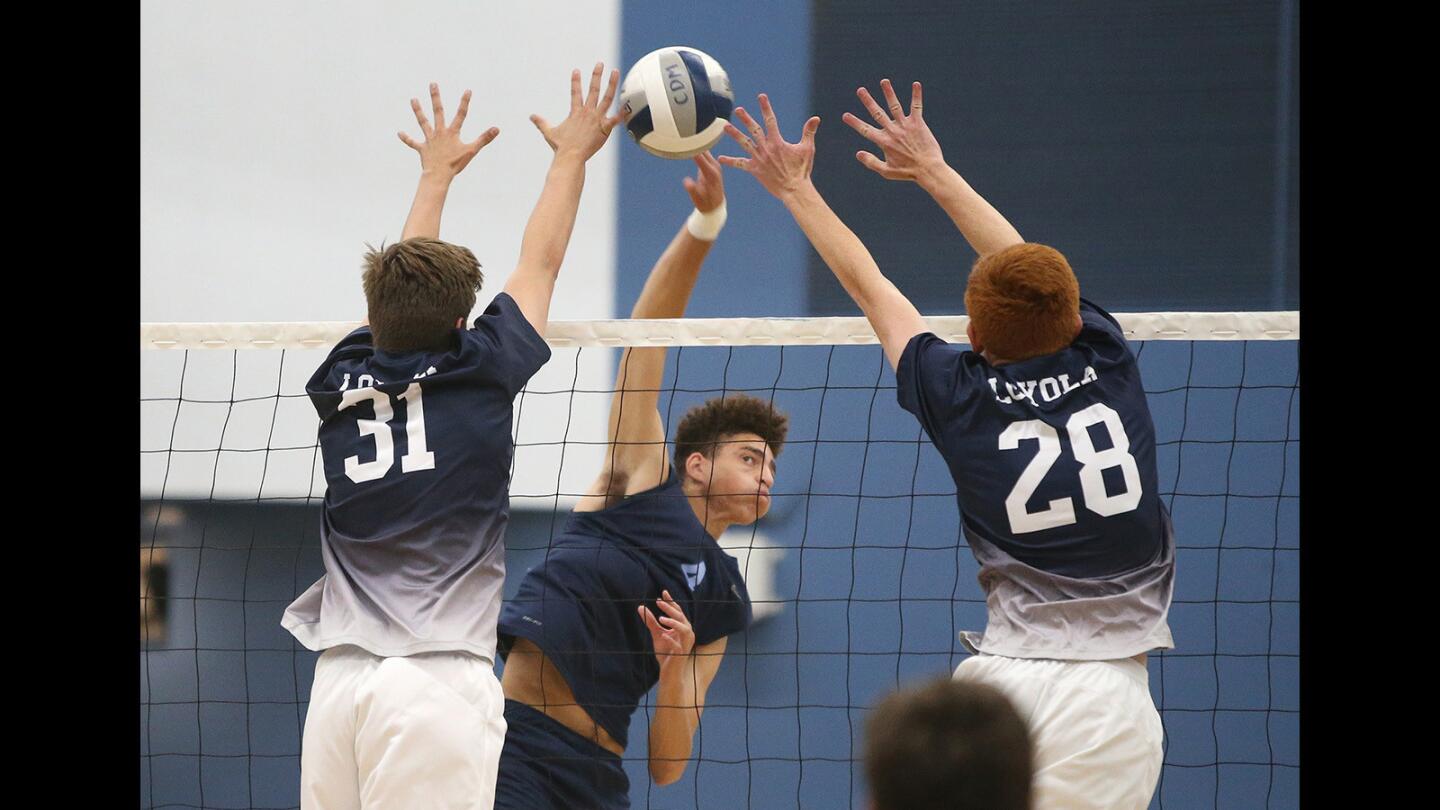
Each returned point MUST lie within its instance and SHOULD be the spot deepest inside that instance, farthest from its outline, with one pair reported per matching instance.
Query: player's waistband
(525, 720)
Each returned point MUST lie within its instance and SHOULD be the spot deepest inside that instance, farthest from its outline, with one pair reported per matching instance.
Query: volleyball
(676, 101)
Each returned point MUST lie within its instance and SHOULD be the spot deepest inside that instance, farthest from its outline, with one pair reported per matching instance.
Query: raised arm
(442, 156)
(686, 672)
(912, 153)
(636, 459)
(784, 170)
(547, 234)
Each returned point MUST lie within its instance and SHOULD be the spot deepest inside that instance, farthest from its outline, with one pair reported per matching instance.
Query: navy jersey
(1054, 466)
(579, 605)
(417, 450)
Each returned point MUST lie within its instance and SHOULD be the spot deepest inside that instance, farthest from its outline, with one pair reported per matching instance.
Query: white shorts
(417, 731)
(1093, 724)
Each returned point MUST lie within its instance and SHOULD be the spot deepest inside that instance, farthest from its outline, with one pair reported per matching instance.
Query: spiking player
(405, 710)
(1047, 434)
(636, 591)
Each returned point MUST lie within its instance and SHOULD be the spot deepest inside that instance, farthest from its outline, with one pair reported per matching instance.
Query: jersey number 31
(1061, 511)
(417, 456)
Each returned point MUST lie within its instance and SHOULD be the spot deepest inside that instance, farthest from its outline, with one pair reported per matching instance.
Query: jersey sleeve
(516, 349)
(931, 380)
(323, 386)
(1101, 333)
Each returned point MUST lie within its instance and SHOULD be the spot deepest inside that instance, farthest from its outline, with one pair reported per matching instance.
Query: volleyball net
(859, 575)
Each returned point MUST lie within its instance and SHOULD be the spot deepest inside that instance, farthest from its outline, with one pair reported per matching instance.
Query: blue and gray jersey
(1054, 466)
(417, 450)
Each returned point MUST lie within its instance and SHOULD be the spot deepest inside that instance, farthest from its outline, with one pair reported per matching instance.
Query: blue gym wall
(868, 522)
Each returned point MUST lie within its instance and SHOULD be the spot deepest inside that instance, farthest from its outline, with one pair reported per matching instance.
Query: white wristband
(706, 226)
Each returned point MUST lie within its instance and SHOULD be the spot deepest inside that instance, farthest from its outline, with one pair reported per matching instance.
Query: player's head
(416, 291)
(726, 449)
(955, 745)
(1023, 302)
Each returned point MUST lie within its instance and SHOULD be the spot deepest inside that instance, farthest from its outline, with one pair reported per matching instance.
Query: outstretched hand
(707, 188)
(587, 127)
(781, 167)
(911, 151)
(443, 151)
(672, 634)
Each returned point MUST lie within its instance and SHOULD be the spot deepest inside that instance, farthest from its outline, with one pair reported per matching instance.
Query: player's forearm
(547, 234)
(890, 313)
(672, 279)
(842, 251)
(424, 217)
(985, 228)
(677, 715)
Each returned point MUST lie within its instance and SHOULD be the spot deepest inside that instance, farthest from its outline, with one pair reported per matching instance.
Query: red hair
(1023, 301)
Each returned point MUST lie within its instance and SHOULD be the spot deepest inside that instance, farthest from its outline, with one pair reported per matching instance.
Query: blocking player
(415, 412)
(947, 745)
(1045, 428)
(636, 592)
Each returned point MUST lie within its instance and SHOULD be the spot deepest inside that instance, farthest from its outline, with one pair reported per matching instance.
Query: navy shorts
(546, 766)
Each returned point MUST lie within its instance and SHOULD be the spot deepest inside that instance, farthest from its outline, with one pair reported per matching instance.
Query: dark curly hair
(706, 424)
(416, 289)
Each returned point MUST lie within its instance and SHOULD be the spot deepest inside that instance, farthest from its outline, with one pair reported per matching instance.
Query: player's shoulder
(1101, 334)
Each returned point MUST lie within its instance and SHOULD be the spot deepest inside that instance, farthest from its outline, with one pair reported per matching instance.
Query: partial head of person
(955, 745)
(417, 292)
(725, 450)
(1023, 302)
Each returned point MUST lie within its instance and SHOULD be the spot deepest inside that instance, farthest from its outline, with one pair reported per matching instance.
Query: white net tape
(720, 331)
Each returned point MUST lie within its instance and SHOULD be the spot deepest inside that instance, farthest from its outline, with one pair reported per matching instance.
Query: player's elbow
(666, 771)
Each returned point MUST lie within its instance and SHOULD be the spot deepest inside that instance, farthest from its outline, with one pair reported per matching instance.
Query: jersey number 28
(417, 456)
(1061, 511)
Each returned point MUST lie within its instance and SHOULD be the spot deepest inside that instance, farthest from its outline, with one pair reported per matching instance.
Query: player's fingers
(610, 88)
(866, 131)
(671, 607)
(436, 106)
(593, 94)
(740, 138)
(408, 141)
(649, 619)
(486, 137)
(743, 164)
(464, 108)
(916, 104)
(876, 165)
(693, 191)
(575, 89)
(610, 123)
(542, 125)
(807, 135)
(768, 113)
(892, 100)
(420, 117)
(708, 164)
(868, 101)
(750, 123)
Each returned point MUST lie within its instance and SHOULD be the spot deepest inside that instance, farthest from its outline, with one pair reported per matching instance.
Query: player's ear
(975, 345)
(697, 466)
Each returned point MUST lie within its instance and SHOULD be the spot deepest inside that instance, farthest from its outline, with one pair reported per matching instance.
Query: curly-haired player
(636, 592)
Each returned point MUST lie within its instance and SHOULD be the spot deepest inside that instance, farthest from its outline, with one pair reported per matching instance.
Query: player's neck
(715, 524)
